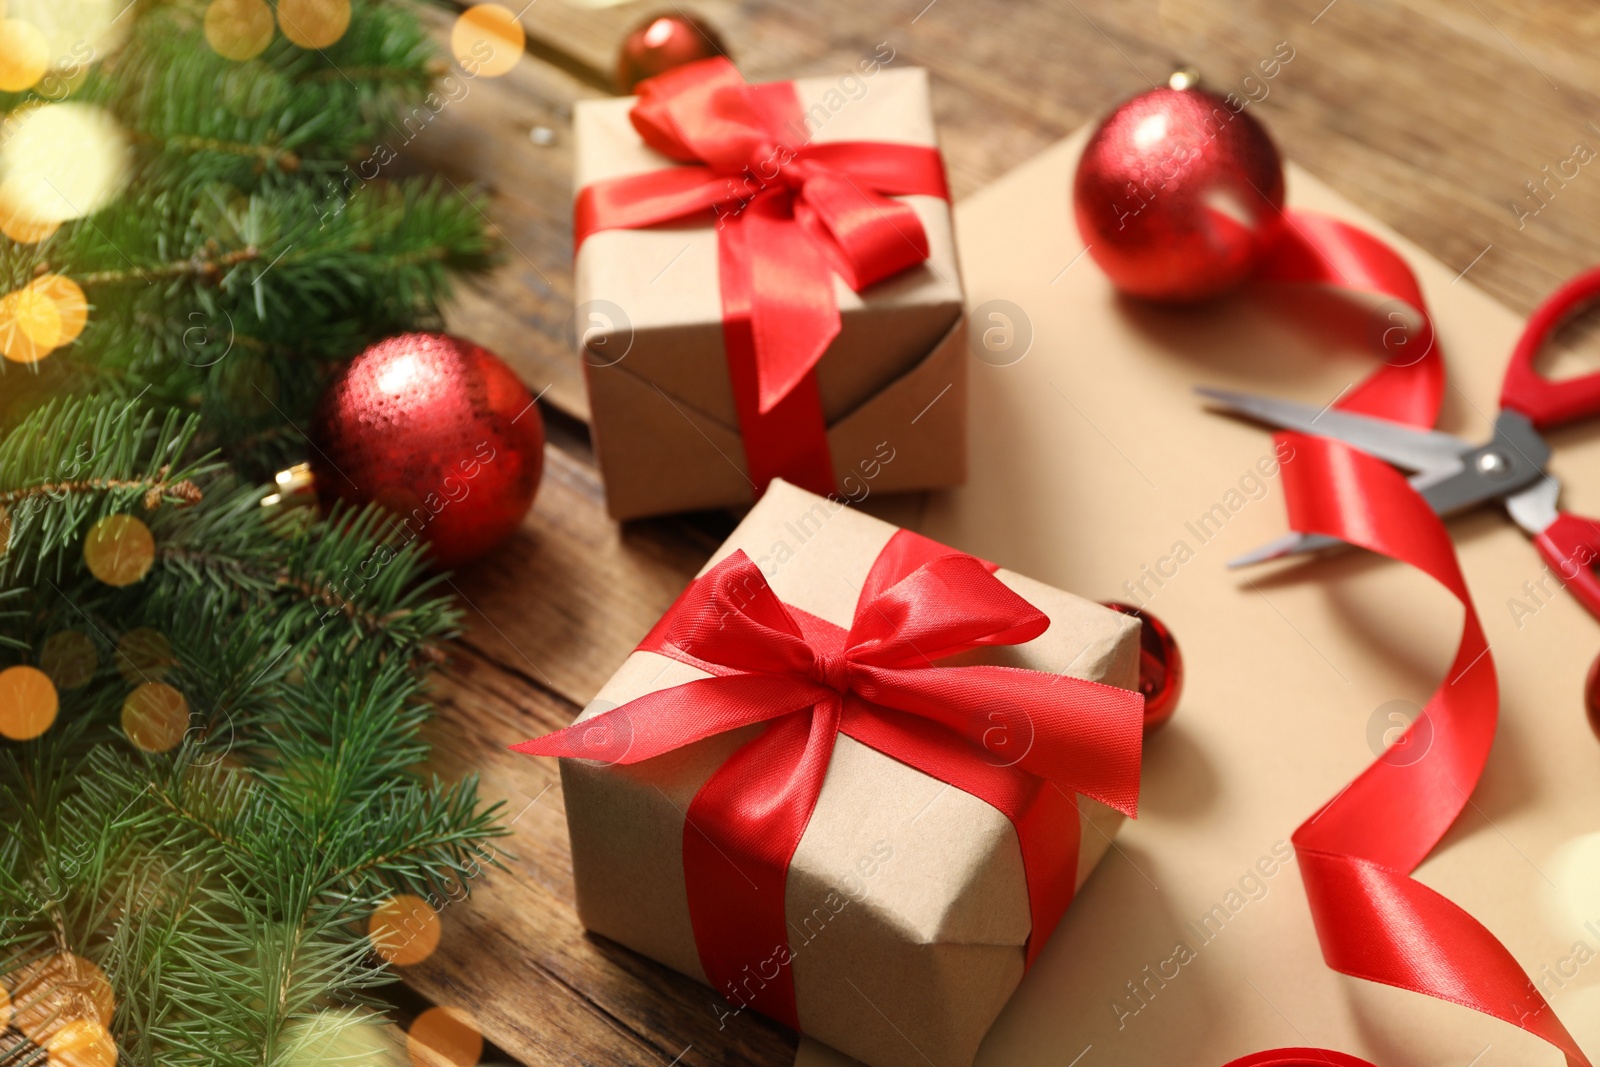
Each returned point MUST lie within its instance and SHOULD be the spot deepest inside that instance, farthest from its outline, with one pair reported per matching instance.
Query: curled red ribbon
(790, 215)
(1356, 854)
(809, 681)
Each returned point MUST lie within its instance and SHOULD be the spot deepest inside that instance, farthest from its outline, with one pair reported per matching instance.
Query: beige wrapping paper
(1092, 462)
(650, 322)
(906, 899)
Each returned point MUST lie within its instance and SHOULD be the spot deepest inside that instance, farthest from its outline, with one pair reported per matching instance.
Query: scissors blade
(1448, 491)
(1290, 544)
(1535, 507)
(1396, 443)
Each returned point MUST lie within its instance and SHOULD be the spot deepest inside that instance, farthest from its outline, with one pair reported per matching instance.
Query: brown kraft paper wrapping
(649, 315)
(906, 898)
(1094, 462)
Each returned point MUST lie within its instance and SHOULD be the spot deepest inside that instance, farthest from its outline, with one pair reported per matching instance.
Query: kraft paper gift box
(649, 325)
(906, 904)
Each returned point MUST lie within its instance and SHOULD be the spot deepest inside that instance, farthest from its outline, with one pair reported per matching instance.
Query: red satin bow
(790, 215)
(1024, 741)
(1357, 853)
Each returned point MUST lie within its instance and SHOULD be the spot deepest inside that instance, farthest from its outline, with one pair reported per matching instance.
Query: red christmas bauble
(1177, 194)
(439, 432)
(662, 42)
(1160, 666)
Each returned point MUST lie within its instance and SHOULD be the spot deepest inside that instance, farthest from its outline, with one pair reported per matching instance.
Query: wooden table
(1432, 114)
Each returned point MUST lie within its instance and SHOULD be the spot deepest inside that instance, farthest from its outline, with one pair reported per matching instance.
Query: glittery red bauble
(438, 431)
(1591, 696)
(1177, 194)
(662, 42)
(1160, 666)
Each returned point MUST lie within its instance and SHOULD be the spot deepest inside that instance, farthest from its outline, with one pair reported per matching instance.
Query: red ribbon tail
(793, 315)
(789, 439)
(1373, 920)
(668, 719)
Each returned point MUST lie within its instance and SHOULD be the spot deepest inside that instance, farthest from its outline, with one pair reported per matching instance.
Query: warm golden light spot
(155, 717)
(5, 1008)
(404, 930)
(28, 703)
(488, 36)
(72, 307)
(313, 23)
(61, 988)
(62, 162)
(69, 658)
(79, 33)
(5, 531)
(24, 55)
(82, 1043)
(30, 326)
(444, 1037)
(239, 29)
(144, 655)
(25, 231)
(119, 550)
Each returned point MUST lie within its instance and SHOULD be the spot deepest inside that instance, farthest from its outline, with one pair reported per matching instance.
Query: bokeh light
(5, 1009)
(23, 230)
(72, 307)
(155, 717)
(62, 162)
(24, 55)
(338, 1037)
(404, 930)
(28, 702)
(239, 29)
(82, 1043)
(119, 549)
(487, 29)
(59, 989)
(69, 658)
(30, 326)
(444, 1037)
(313, 23)
(78, 33)
(144, 655)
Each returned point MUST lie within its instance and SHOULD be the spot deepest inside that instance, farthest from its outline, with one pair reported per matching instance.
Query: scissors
(1454, 475)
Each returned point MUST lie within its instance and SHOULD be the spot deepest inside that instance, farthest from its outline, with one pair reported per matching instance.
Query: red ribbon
(1319, 249)
(1357, 852)
(790, 215)
(1023, 741)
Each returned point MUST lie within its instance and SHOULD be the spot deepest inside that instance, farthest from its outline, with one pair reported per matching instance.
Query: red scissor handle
(1571, 546)
(1527, 391)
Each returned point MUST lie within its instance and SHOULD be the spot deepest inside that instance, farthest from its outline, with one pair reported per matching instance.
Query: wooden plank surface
(1432, 114)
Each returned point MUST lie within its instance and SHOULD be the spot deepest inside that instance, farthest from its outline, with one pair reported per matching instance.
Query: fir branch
(223, 885)
(155, 490)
